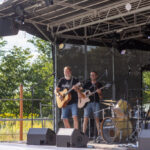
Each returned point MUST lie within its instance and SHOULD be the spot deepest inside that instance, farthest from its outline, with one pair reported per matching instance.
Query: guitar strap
(70, 85)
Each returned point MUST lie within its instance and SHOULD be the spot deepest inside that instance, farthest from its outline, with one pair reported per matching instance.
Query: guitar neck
(95, 91)
(71, 89)
(68, 91)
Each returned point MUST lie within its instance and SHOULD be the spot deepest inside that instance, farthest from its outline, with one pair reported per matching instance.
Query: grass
(9, 130)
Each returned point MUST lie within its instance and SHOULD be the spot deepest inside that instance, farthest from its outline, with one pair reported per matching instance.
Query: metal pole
(53, 97)
(21, 112)
(113, 74)
(32, 93)
(55, 84)
(85, 60)
(85, 55)
(41, 114)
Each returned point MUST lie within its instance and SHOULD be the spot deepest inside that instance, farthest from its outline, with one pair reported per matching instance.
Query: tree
(14, 70)
(2, 42)
(16, 67)
(41, 71)
(146, 86)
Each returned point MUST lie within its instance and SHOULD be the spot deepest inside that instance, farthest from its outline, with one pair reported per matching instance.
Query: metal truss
(85, 19)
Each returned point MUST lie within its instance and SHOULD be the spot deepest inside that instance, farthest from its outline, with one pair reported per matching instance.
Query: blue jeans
(92, 107)
(69, 108)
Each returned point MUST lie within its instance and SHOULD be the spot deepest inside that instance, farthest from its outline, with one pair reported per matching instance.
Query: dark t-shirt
(67, 84)
(93, 87)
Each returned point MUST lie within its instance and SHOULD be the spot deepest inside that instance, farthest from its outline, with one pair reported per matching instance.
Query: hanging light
(61, 46)
(128, 6)
(123, 52)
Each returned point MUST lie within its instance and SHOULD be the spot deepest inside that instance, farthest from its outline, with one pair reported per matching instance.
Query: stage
(91, 145)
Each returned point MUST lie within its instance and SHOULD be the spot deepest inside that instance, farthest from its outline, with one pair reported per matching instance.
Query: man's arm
(99, 92)
(79, 91)
(57, 90)
(58, 87)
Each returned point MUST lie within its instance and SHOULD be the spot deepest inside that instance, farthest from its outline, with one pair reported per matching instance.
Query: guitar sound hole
(87, 93)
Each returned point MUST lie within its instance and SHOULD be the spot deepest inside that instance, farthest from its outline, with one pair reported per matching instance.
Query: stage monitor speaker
(70, 137)
(144, 139)
(8, 27)
(41, 136)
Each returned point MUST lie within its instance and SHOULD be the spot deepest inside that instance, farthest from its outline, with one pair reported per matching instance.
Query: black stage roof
(108, 23)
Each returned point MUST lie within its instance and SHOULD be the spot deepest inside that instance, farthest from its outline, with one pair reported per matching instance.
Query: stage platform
(91, 146)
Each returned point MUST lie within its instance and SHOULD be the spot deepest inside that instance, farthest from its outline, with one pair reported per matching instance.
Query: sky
(20, 40)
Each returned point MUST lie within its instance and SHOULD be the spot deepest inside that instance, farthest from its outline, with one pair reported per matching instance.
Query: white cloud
(20, 40)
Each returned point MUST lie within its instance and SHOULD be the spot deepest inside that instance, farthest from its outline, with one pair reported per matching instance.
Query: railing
(10, 128)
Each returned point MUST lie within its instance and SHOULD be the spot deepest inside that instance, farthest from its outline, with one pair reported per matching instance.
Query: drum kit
(124, 123)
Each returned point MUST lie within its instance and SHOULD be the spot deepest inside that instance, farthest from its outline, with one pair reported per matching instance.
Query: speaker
(8, 27)
(144, 139)
(41, 136)
(70, 137)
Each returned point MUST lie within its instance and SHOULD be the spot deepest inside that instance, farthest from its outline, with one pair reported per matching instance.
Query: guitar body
(63, 99)
(82, 102)
(85, 96)
(84, 99)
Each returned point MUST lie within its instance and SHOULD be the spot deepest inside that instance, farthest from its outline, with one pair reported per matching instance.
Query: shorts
(65, 112)
(92, 107)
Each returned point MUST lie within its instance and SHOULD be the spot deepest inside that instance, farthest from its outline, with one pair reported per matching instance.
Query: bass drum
(115, 129)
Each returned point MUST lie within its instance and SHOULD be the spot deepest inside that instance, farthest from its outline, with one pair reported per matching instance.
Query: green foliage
(16, 68)
(41, 71)
(146, 86)
(43, 47)
(2, 42)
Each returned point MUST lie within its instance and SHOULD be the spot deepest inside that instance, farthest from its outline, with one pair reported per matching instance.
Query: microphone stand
(94, 118)
(104, 74)
(95, 125)
(127, 98)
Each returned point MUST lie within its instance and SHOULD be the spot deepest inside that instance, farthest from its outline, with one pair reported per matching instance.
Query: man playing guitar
(69, 82)
(93, 105)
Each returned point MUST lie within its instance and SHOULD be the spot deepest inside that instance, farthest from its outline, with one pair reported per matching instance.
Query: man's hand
(57, 90)
(76, 88)
(99, 91)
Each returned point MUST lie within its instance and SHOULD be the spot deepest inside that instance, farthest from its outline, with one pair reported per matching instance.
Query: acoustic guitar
(64, 96)
(85, 96)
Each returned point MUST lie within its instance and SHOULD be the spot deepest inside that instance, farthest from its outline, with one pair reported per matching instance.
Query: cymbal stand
(134, 135)
(112, 111)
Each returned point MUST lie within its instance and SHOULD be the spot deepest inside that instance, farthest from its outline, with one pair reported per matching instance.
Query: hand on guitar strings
(99, 91)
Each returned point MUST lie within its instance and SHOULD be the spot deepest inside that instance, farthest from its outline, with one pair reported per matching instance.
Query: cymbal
(111, 101)
(106, 104)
